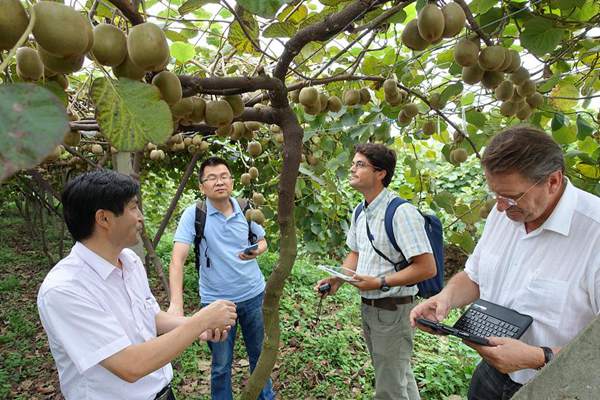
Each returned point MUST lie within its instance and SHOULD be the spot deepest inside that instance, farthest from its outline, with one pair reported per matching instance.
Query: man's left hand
(253, 254)
(509, 355)
(366, 282)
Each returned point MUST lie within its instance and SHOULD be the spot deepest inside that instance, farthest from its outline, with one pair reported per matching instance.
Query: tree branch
(472, 23)
(128, 11)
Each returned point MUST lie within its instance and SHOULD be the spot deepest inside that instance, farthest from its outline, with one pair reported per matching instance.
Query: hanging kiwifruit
(198, 109)
(218, 113)
(472, 74)
(410, 110)
(508, 108)
(454, 19)
(459, 155)
(183, 108)
(524, 112)
(507, 60)
(491, 58)
(147, 47)
(504, 91)
(412, 38)
(62, 65)
(258, 199)
(13, 22)
(169, 85)
(430, 22)
(428, 127)
(535, 100)
(236, 103)
(323, 98)
(238, 130)
(110, 45)
(60, 29)
(127, 69)
(72, 138)
(526, 88)
(491, 79)
(390, 86)
(309, 96)
(436, 102)
(466, 53)
(253, 171)
(334, 104)
(29, 64)
(351, 97)
(515, 61)
(254, 148)
(403, 119)
(252, 125)
(519, 76)
(365, 96)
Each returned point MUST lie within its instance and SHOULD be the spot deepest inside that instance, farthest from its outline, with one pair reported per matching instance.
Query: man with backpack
(384, 275)
(220, 234)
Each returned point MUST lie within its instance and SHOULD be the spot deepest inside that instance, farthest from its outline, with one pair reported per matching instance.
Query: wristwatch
(548, 355)
(384, 287)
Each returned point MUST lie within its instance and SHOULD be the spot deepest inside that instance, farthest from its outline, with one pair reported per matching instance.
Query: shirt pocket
(488, 277)
(146, 310)
(544, 299)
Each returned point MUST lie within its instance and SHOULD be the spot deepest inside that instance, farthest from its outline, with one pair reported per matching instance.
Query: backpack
(433, 228)
(200, 223)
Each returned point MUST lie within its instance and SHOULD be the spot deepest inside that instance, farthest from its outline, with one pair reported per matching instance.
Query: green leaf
(549, 84)
(563, 94)
(131, 113)
(191, 5)
(295, 17)
(539, 36)
(262, 8)
(476, 118)
(444, 200)
(238, 39)
(32, 123)
(450, 91)
(584, 128)
(490, 20)
(309, 173)
(558, 121)
(565, 135)
(464, 240)
(279, 29)
(182, 52)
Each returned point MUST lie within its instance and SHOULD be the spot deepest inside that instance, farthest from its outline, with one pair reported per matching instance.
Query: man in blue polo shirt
(225, 271)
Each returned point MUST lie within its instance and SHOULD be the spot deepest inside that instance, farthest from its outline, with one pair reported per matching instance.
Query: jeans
(250, 319)
(488, 383)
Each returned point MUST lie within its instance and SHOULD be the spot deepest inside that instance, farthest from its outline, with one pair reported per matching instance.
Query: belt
(165, 393)
(388, 303)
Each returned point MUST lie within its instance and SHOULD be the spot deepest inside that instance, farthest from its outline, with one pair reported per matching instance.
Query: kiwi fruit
(252, 125)
(428, 128)
(29, 64)
(334, 104)
(238, 130)
(295, 96)
(504, 91)
(198, 109)
(275, 128)
(323, 102)
(254, 148)
(218, 113)
(224, 130)
(535, 100)
(313, 110)
(491, 58)
(147, 47)
(257, 216)
(430, 22)
(466, 53)
(351, 97)
(390, 86)
(13, 22)
(309, 96)
(403, 119)
(436, 102)
(253, 171)
(155, 155)
(365, 96)
(183, 108)
(236, 103)
(412, 38)
(458, 156)
(515, 61)
(508, 108)
(61, 79)
(169, 85)
(61, 65)
(492, 79)
(97, 149)
(127, 69)
(454, 19)
(258, 199)
(245, 179)
(527, 88)
(507, 60)
(519, 76)
(203, 146)
(410, 110)
(278, 137)
(472, 74)
(72, 138)
(312, 160)
(60, 29)
(524, 112)
(110, 45)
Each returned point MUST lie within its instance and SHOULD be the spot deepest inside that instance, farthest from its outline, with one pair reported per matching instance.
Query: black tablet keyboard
(480, 324)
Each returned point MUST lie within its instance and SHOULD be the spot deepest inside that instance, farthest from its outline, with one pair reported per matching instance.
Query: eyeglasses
(361, 164)
(507, 202)
(213, 179)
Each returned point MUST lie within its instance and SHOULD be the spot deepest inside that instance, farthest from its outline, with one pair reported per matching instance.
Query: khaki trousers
(389, 338)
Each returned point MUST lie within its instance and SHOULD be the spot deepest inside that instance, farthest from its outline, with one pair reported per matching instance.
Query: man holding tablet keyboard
(537, 258)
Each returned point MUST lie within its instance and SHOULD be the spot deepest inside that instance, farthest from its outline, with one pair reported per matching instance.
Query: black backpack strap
(245, 206)
(199, 224)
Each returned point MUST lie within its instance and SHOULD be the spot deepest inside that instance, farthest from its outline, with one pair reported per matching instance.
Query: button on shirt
(551, 274)
(229, 277)
(409, 231)
(91, 310)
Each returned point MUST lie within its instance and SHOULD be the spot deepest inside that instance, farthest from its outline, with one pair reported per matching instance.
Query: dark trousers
(165, 394)
(490, 384)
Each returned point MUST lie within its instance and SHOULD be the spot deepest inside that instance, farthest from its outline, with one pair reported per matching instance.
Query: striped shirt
(409, 232)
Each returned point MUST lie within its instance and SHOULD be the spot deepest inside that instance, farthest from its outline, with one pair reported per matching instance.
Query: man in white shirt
(540, 258)
(387, 295)
(101, 319)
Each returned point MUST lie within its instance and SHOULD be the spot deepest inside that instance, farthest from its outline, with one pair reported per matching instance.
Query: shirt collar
(379, 199)
(97, 263)
(210, 209)
(560, 219)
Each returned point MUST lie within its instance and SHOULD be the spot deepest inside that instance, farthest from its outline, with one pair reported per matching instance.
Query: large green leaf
(238, 39)
(182, 52)
(279, 29)
(32, 123)
(262, 8)
(192, 5)
(540, 36)
(131, 113)
(296, 16)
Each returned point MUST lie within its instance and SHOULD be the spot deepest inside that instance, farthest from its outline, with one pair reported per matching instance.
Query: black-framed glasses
(213, 179)
(361, 164)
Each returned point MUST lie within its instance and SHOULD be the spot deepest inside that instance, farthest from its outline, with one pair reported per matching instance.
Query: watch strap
(548, 354)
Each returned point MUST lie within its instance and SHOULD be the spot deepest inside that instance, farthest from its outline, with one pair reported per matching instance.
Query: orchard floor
(27, 369)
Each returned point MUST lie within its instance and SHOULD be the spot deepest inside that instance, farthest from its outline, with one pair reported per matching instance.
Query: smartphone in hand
(248, 250)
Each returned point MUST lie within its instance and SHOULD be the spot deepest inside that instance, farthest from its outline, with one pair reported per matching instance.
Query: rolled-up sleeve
(351, 235)
(412, 237)
(186, 231)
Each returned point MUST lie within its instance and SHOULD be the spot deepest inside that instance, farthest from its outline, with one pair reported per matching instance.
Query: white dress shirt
(91, 310)
(551, 273)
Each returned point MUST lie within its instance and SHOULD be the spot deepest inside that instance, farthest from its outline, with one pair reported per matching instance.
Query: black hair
(89, 192)
(211, 162)
(381, 157)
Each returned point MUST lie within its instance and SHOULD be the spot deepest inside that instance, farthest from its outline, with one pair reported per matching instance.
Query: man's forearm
(176, 283)
(351, 261)
(461, 290)
(419, 270)
(166, 322)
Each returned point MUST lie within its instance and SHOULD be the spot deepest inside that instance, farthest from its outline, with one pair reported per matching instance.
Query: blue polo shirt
(229, 277)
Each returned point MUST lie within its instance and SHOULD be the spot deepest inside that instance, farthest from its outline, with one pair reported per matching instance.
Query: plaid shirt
(410, 235)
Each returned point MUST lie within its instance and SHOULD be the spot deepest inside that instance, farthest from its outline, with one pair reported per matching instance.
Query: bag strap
(199, 224)
(245, 206)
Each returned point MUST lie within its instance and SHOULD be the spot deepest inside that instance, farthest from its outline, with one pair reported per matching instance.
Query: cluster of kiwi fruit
(395, 96)
(432, 25)
(315, 103)
(488, 66)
